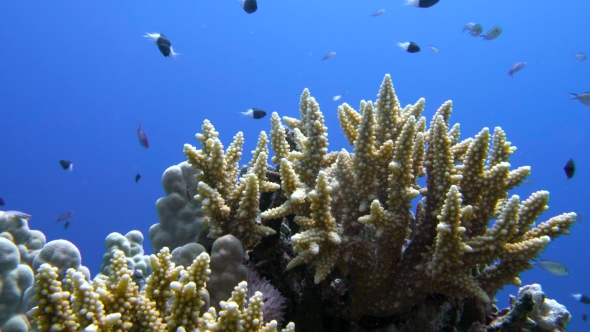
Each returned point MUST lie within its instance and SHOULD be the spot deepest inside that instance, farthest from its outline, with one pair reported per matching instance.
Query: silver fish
(378, 12)
(552, 267)
(584, 98)
(476, 30)
(580, 56)
(337, 97)
(516, 67)
(16, 214)
(468, 27)
(434, 49)
(493, 33)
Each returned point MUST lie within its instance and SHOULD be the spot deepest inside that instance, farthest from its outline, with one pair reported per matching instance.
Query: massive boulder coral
(354, 209)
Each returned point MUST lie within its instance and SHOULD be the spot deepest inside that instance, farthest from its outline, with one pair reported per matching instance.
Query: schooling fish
(584, 317)
(16, 214)
(580, 56)
(552, 267)
(493, 33)
(378, 12)
(142, 137)
(255, 113)
(338, 97)
(137, 177)
(570, 169)
(468, 27)
(409, 47)
(2, 203)
(66, 224)
(249, 6)
(422, 3)
(329, 56)
(64, 216)
(582, 298)
(434, 49)
(516, 67)
(66, 165)
(583, 98)
(163, 43)
(476, 30)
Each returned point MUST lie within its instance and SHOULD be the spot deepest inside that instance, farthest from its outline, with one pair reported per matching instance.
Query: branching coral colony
(354, 209)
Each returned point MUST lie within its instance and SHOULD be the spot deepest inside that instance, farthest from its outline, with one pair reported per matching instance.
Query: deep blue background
(76, 77)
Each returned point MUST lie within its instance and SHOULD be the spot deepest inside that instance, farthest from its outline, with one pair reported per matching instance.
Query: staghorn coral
(115, 303)
(232, 204)
(354, 210)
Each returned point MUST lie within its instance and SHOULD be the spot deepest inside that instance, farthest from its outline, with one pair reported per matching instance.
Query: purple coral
(274, 302)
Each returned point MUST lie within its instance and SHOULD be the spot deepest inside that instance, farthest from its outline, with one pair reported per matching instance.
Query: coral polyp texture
(354, 209)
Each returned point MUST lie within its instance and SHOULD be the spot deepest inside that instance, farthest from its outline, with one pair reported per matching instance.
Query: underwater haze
(77, 78)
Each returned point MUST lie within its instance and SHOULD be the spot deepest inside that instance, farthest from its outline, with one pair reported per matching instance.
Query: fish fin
(173, 54)
(575, 96)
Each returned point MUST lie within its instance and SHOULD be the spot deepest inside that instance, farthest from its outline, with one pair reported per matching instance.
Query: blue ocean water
(76, 77)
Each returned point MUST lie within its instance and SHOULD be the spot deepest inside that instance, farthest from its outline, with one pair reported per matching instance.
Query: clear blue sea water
(77, 76)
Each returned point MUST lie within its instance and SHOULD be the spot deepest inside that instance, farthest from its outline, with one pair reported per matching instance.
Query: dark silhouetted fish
(584, 317)
(143, 140)
(64, 216)
(66, 165)
(255, 113)
(2, 203)
(163, 43)
(409, 47)
(516, 67)
(570, 169)
(66, 224)
(329, 56)
(137, 177)
(582, 298)
(249, 6)
(422, 3)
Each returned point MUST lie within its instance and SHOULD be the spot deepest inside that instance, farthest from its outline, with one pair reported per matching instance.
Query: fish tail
(574, 95)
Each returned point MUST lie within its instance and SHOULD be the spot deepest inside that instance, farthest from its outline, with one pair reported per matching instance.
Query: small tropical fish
(570, 169)
(66, 165)
(66, 224)
(409, 47)
(16, 214)
(552, 267)
(422, 3)
(142, 137)
(584, 317)
(516, 67)
(580, 56)
(476, 30)
(583, 98)
(434, 49)
(468, 27)
(338, 97)
(64, 216)
(528, 182)
(329, 56)
(378, 12)
(582, 298)
(493, 33)
(163, 43)
(255, 113)
(2, 203)
(249, 6)
(137, 177)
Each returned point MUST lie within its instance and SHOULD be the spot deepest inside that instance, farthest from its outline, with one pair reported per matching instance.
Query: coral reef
(329, 237)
